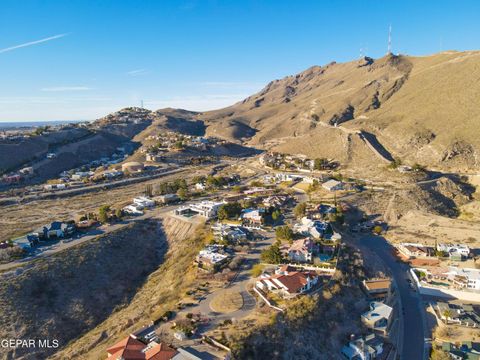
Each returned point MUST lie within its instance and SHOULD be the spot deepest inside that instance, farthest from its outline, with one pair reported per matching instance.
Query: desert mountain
(419, 109)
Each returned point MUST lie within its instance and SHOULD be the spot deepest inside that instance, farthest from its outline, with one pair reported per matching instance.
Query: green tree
(320, 163)
(377, 230)
(229, 211)
(283, 233)
(103, 212)
(313, 186)
(182, 193)
(276, 215)
(300, 210)
(272, 255)
(198, 179)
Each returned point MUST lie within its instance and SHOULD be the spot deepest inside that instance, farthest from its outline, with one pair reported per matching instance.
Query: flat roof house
(465, 278)
(332, 185)
(207, 209)
(378, 317)
(377, 288)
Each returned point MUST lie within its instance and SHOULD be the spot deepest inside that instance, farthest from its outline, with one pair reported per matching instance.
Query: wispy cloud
(22, 100)
(65, 88)
(137, 72)
(11, 48)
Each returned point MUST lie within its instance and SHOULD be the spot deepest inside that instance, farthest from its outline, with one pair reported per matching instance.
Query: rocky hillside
(420, 109)
(160, 291)
(65, 295)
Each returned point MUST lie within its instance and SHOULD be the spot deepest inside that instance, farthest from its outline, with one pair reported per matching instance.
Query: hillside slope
(421, 109)
(65, 295)
(160, 292)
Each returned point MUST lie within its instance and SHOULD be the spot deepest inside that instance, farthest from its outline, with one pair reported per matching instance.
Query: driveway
(239, 283)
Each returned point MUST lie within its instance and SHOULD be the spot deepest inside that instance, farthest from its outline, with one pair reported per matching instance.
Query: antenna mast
(389, 40)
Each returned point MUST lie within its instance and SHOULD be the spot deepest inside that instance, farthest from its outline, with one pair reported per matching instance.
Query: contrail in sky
(32, 43)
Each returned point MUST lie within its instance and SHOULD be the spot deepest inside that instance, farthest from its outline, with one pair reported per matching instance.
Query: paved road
(90, 235)
(239, 284)
(413, 332)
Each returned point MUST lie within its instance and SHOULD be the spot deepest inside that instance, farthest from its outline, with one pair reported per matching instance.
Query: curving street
(412, 337)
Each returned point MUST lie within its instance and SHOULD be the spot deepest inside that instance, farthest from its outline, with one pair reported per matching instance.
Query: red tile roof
(128, 349)
(160, 352)
(295, 281)
(133, 349)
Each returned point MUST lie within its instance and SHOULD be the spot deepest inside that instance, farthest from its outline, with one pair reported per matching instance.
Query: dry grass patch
(227, 301)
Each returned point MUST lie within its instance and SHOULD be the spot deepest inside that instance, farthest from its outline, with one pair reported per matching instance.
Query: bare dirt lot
(19, 219)
(426, 228)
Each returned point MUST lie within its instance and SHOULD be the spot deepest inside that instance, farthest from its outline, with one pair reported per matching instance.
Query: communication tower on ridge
(389, 49)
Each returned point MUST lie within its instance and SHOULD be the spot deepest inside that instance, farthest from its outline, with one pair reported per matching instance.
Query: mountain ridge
(420, 108)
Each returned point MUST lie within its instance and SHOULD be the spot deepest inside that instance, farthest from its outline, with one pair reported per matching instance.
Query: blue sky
(78, 59)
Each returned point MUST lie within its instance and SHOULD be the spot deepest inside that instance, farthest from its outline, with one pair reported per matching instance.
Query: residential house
(465, 278)
(79, 175)
(253, 216)
(454, 250)
(413, 250)
(167, 198)
(363, 348)
(151, 157)
(378, 317)
(333, 185)
(288, 284)
(460, 314)
(288, 177)
(377, 288)
(230, 233)
(315, 228)
(142, 202)
(212, 257)
(467, 350)
(132, 210)
(133, 349)
(56, 229)
(300, 251)
(275, 201)
(207, 209)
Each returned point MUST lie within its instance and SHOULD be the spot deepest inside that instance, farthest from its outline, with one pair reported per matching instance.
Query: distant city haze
(82, 60)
